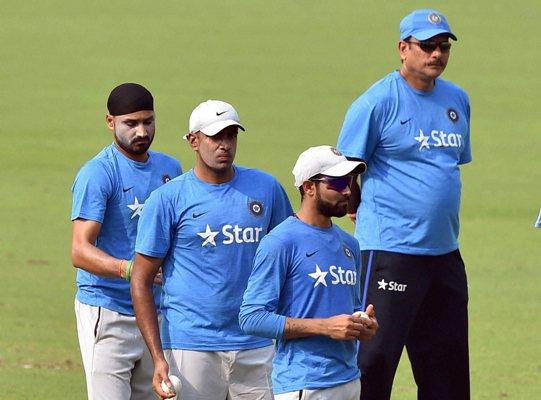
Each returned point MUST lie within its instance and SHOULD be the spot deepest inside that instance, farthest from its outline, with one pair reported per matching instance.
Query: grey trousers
(220, 375)
(347, 391)
(117, 363)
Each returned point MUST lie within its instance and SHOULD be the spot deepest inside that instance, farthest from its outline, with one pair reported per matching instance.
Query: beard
(329, 209)
(136, 146)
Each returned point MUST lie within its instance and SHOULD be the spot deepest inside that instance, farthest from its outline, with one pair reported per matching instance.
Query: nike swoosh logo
(308, 254)
(197, 215)
(218, 114)
(405, 121)
(126, 189)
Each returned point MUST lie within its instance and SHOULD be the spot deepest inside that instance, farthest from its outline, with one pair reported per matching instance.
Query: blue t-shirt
(207, 235)
(111, 189)
(413, 142)
(302, 271)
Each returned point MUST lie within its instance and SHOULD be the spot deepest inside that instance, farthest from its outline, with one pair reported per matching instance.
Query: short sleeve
(360, 131)
(281, 207)
(155, 226)
(91, 190)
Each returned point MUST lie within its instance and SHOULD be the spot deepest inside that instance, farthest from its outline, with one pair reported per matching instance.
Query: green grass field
(291, 69)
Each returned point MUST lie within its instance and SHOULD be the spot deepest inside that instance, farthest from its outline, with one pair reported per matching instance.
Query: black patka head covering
(129, 98)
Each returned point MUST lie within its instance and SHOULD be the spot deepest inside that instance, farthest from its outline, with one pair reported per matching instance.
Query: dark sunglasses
(429, 46)
(338, 184)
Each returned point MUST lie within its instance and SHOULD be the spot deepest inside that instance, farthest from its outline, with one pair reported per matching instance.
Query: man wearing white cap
(204, 231)
(412, 129)
(305, 287)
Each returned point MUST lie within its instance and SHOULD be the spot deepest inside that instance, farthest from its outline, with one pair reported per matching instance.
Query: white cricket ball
(177, 385)
(361, 314)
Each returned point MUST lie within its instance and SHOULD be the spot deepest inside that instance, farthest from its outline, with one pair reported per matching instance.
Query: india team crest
(452, 114)
(255, 207)
(166, 178)
(434, 19)
(348, 252)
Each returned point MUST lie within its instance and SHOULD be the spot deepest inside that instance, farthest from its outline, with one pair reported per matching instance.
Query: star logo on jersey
(319, 276)
(209, 235)
(393, 286)
(423, 140)
(136, 207)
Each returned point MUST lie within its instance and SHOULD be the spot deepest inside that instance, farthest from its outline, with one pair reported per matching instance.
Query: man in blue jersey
(108, 196)
(412, 129)
(305, 287)
(203, 229)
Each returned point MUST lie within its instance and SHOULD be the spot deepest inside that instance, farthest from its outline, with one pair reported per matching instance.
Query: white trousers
(117, 363)
(221, 375)
(347, 391)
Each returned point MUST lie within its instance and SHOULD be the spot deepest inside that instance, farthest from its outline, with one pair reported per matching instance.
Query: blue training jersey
(112, 189)
(413, 143)
(207, 235)
(302, 271)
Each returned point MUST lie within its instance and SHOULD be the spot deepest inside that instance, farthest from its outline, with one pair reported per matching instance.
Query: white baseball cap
(211, 116)
(324, 160)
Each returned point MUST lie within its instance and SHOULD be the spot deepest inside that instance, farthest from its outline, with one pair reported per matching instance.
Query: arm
(154, 231)
(354, 201)
(258, 314)
(339, 327)
(145, 269)
(91, 190)
(358, 139)
(85, 255)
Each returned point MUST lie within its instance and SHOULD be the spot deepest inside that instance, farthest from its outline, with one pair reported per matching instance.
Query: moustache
(140, 140)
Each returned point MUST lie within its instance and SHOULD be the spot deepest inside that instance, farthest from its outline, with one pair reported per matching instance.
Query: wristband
(124, 269)
(127, 271)
(120, 264)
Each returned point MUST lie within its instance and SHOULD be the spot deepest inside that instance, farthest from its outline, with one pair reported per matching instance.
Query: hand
(352, 217)
(161, 373)
(370, 324)
(158, 278)
(343, 327)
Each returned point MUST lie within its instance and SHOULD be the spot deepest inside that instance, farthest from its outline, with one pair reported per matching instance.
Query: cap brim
(346, 167)
(429, 33)
(217, 127)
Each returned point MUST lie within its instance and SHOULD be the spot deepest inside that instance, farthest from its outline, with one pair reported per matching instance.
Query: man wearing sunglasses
(305, 287)
(412, 130)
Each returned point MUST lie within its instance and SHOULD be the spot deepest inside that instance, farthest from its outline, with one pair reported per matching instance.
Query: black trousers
(421, 303)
